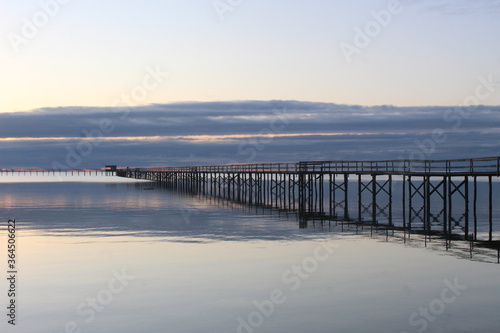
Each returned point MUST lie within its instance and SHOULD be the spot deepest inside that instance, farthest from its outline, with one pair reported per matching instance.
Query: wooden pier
(448, 197)
(56, 172)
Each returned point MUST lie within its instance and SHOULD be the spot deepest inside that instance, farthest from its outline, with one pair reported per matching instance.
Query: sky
(67, 65)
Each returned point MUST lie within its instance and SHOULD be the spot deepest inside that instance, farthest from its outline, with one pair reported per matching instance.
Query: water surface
(191, 264)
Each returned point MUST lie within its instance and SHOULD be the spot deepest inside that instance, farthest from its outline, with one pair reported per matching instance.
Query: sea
(98, 253)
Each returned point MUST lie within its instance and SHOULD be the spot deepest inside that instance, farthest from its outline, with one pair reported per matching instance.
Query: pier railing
(458, 167)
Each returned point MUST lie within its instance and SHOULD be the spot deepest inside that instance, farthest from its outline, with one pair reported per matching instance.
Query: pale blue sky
(92, 52)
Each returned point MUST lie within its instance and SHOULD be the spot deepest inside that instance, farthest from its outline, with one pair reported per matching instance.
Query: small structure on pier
(110, 168)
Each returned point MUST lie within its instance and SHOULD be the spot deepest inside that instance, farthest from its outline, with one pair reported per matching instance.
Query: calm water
(122, 257)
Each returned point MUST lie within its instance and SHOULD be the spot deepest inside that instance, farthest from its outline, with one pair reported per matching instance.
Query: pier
(56, 172)
(454, 198)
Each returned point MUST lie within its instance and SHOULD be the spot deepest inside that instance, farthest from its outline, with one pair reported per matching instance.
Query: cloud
(242, 132)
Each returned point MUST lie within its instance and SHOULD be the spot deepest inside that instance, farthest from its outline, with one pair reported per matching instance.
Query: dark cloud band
(247, 131)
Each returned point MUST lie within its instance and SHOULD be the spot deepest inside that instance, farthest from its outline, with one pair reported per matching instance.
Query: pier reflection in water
(391, 225)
